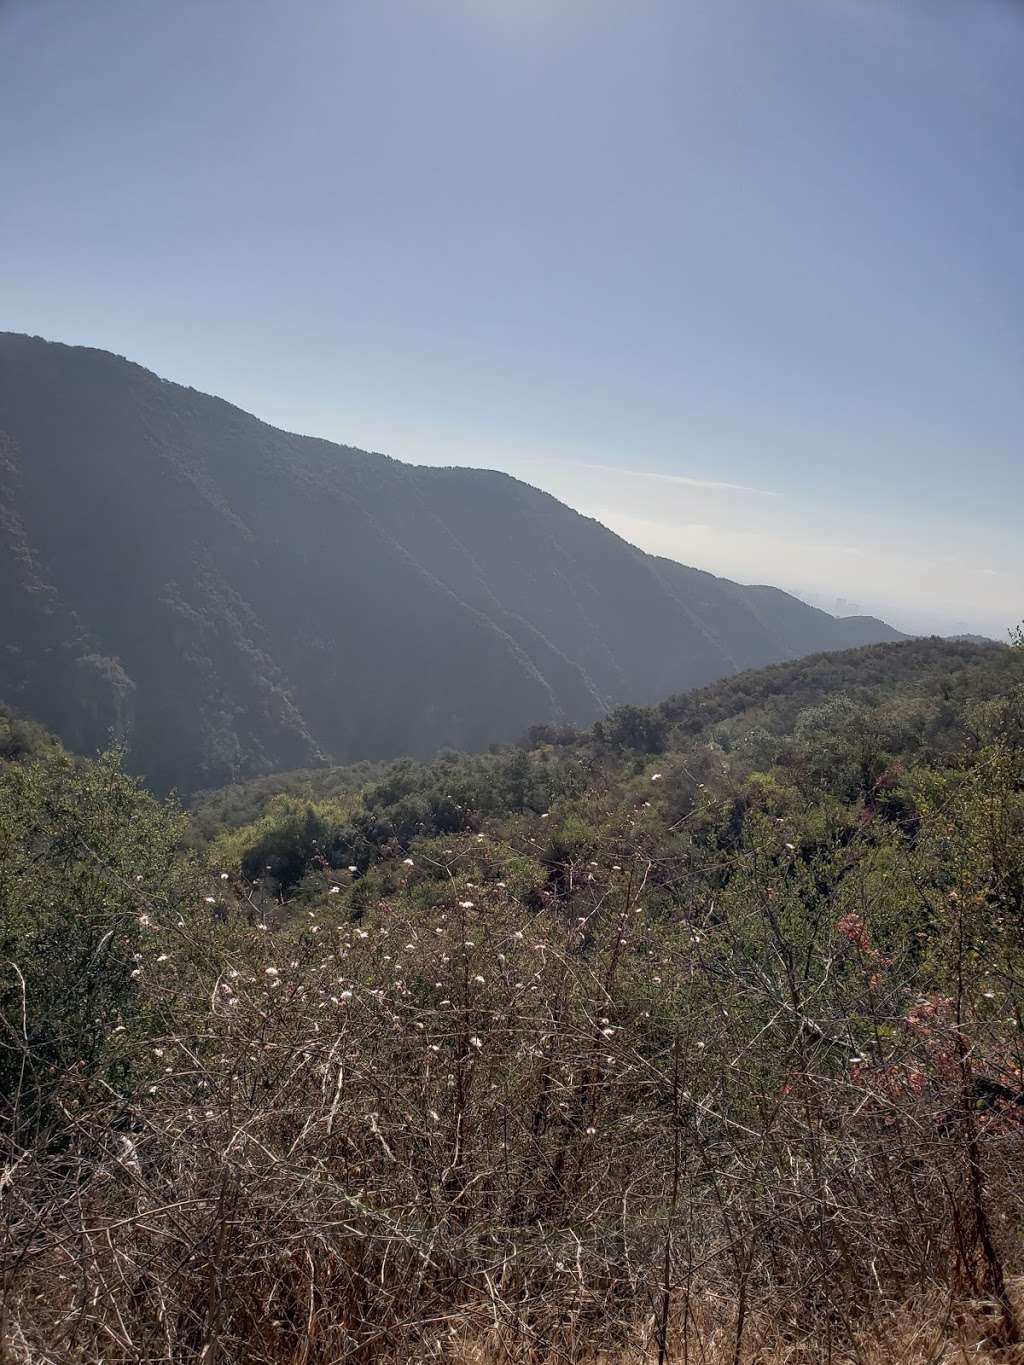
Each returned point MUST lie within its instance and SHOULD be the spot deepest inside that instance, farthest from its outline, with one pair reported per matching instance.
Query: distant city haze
(740, 280)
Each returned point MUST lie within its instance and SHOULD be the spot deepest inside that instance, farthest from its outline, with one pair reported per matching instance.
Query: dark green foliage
(339, 826)
(842, 726)
(285, 851)
(537, 735)
(948, 670)
(633, 727)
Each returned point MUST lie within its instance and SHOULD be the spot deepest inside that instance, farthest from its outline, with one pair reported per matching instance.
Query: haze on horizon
(741, 281)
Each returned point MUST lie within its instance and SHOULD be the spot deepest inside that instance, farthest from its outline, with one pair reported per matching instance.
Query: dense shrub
(87, 858)
(674, 1057)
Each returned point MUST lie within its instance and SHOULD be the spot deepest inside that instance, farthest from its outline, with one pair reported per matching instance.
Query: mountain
(224, 598)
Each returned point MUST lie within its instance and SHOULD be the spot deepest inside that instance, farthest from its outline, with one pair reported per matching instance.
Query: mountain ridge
(224, 598)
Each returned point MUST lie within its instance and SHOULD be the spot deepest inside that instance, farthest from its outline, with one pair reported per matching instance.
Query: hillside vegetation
(695, 1036)
(223, 599)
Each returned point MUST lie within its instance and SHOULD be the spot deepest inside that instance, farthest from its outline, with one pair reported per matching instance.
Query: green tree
(633, 727)
(88, 866)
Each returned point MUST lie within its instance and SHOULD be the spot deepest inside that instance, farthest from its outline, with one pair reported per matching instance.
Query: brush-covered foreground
(697, 1037)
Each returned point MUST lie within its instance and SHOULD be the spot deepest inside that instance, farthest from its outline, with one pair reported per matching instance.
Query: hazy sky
(742, 278)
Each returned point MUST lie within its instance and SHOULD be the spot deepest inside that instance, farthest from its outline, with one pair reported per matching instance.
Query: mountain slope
(225, 598)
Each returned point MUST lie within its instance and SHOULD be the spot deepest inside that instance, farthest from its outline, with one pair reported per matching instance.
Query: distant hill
(918, 693)
(226, 599)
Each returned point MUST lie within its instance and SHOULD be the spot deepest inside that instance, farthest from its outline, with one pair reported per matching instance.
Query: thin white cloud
(686, 480)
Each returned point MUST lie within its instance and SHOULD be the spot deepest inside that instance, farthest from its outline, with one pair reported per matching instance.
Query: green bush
(88, 861)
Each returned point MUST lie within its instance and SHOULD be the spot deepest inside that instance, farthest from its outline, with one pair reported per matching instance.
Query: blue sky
(741, 278)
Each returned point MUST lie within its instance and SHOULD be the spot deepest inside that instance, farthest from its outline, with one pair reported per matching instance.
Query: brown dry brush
(487, 1131)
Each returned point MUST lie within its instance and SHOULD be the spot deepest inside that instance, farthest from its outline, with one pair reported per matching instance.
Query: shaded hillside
(913, 697)
(224, 598)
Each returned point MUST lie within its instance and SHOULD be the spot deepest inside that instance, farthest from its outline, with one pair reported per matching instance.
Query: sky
(743, 279)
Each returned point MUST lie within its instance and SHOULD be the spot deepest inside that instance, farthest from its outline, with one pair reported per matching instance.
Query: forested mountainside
(223, 598)
(696, 1035)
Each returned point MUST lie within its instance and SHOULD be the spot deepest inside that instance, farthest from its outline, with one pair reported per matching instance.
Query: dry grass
(933, 1330)
(464, 1130)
